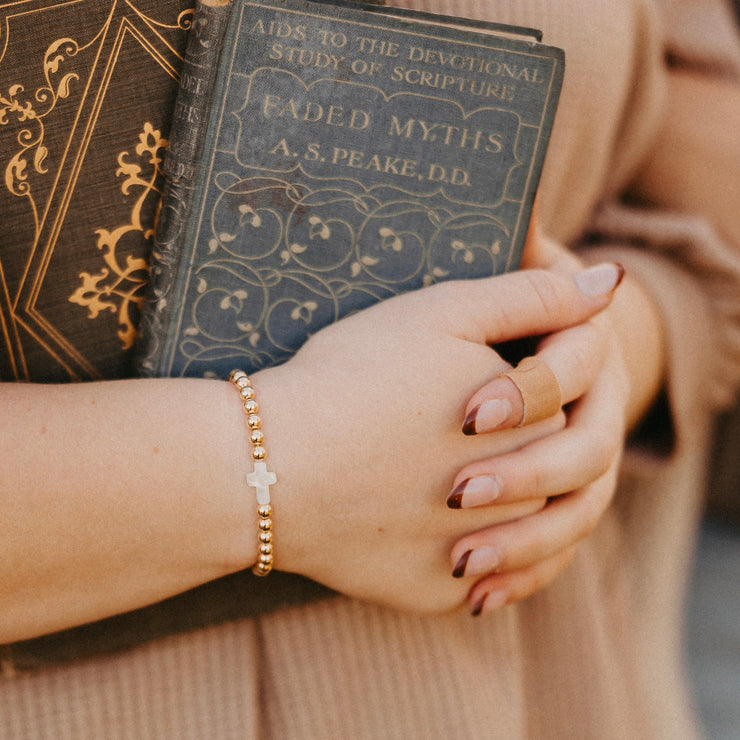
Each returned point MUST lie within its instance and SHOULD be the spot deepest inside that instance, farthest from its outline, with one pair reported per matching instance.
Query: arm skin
(114, 495)
(117, 494)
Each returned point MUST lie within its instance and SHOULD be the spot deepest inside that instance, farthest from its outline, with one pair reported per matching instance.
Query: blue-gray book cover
(325, 156)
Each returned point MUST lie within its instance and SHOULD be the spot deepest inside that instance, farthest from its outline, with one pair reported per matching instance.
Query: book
(328, 155)
(94, 83)
(87, 91)
(87, 88)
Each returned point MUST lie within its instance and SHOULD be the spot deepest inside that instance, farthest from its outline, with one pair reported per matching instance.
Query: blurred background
(713, 618)
(714, 607)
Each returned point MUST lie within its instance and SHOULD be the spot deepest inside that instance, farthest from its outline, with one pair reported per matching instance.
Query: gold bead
(266, 549)
(265, 524)
(261, 570)
(266, 560)
(254, 421)
(251, 406)
(236, 375)
(257, 437)
(265, 510)
(266, 536)
(258, 453)
(247, 392)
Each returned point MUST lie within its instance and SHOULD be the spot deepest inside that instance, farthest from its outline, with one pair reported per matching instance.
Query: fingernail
(489, 602)
(477, 491)
(600, 279)
(459, 570)
(478, 606)
(481, 560)
(488, 416)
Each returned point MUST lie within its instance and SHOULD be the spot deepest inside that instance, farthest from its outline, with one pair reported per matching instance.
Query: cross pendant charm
(261, 479)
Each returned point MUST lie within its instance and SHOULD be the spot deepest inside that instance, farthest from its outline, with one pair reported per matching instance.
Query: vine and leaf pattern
(30, 113)
(120, 286)
(276, 260)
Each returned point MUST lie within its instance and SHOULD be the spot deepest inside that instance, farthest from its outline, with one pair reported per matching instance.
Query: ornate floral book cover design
(326, 156)
(86, 93)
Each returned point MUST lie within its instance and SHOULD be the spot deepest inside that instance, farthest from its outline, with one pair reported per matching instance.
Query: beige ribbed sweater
(595, 655)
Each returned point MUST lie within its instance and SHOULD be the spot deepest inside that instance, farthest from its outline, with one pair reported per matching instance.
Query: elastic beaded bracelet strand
(260, 478)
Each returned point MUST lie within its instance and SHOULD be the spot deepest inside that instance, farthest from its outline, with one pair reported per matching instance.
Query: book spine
(187, 134)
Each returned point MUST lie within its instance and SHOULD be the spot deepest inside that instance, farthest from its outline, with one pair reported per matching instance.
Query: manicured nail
(480, 560)
(600, 279)
(489, 602)
(459, 570)
(477, 491)
(487, 416)
(476, 561)
(478, 606)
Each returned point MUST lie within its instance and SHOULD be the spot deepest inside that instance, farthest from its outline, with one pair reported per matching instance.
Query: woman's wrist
(116, 495)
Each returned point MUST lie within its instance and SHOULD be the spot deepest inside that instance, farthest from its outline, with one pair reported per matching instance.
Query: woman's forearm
(117, 494)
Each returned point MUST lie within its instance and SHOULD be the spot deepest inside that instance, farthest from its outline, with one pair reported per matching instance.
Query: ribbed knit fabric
(420, 675)
(596, 655)
(166, 689)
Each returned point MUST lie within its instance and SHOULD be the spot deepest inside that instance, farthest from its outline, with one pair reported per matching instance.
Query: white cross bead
(261, 479)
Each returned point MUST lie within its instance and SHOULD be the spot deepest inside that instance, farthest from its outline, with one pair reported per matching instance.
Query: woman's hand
(365, 434)
(574, 469)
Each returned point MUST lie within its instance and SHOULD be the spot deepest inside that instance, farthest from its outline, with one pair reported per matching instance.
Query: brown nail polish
(459, 570)
(620, 268)
(488, 416)
(469, 423)
(454, 500)
(478, 606)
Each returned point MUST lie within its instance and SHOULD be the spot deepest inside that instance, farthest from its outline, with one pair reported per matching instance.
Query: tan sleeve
(682, 242)
(612, 106)
(702, 34)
